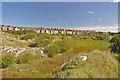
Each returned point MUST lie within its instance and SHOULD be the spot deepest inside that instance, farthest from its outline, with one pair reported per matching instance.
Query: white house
(17, 28)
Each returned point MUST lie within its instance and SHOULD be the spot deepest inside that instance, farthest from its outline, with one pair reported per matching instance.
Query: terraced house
(48, 30)
(4, 27)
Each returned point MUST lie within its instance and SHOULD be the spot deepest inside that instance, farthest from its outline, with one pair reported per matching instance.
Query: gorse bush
(58, 47)
(8, 60)
(64, 45)
(28, 36)
(52, 50)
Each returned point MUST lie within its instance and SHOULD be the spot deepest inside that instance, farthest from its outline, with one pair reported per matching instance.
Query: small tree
(115, 44)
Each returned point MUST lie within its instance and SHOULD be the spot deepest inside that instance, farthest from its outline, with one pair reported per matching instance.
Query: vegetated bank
(63, 56)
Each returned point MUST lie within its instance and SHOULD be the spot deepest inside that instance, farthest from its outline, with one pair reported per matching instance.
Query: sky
(101, 16)
(60, 0)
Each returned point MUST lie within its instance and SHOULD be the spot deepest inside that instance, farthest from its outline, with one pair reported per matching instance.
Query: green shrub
(28, 36)
(98, 37)
(24, 58)
(64, 45)
(115, 44)
(52, 50)
(41, 40)
(58, 47)
(8, 59)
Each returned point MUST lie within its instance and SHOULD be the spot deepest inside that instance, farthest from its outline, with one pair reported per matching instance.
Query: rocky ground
(17, 50)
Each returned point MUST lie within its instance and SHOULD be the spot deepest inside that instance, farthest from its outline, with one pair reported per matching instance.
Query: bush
(52, 50)
(28, 36)
(64, 45)
(24, 58)
(115, 44)
(8, 59)
(41, 40)
(58, 47)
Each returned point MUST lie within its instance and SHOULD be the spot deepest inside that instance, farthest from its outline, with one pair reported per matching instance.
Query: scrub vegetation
(27, 54)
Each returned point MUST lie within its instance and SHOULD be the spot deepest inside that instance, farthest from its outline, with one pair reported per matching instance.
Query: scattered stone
(20, 70)
(84, 58)
(41, 51)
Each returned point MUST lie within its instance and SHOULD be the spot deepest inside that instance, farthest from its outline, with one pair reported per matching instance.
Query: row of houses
(6, 28)
(47, 30)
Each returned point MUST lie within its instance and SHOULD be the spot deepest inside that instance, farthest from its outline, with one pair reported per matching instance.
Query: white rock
(41, 51)
(84, 58)
(20, 70)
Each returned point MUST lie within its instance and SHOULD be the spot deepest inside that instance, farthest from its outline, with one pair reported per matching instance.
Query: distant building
(42, 31)
(77, 32)
(5, 28)
(56, 32)
(69, 32)
(10, 28)
(22, 28)
(17, 28)
(63, 32)
(37, 30)
(52, 31)
(47, 31)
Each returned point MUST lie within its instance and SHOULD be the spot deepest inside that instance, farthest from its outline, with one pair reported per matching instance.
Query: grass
(47, 68)
(98, 65)
(42, 66)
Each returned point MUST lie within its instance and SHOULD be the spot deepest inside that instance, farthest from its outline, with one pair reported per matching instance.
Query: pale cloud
(100, 19)
(91, 12)
(99, 28)
(116, 0)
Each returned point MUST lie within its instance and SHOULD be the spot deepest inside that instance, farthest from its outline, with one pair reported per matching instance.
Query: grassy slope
(98, 65)
(46, 67)
(12, 41)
